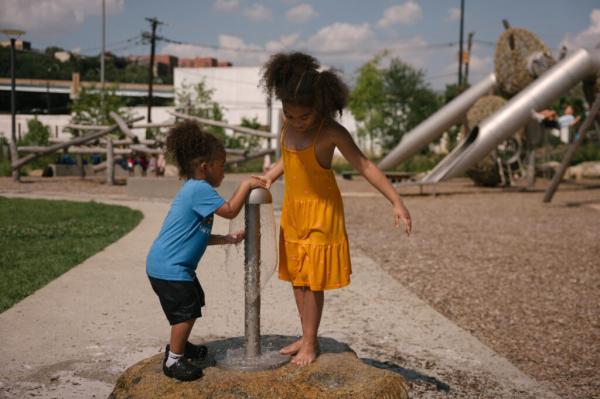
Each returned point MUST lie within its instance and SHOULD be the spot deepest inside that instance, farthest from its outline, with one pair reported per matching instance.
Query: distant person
(313, 253)
(130, 164)
(152, 166)
(566, 122)
(185, 233)
(161, 164)
(143, 161)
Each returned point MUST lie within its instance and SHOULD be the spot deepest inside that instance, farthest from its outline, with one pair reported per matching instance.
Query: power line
(414, 46)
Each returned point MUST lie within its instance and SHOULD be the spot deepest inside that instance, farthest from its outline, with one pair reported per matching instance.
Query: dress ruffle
(317, 266)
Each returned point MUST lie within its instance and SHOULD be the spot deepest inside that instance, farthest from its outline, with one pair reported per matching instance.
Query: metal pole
(16, 174)
(567, 159)
(468, 61)
(433, 127)
(102, 54)
(269, 117)
(154, 23)
(252, 281)
(460, 41)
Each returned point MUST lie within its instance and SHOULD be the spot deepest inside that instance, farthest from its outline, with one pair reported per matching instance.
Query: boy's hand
(265, 181)
(256, 181)
(402, 214)
(235, 238)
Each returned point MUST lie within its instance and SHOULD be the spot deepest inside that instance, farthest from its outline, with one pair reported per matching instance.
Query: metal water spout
(253, 355)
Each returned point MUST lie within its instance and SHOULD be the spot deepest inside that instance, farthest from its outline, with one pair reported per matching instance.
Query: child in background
(185, 233)
(313, 248)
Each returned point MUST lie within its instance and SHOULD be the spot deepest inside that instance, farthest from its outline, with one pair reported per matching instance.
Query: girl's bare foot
(292, 348)
(306, 355)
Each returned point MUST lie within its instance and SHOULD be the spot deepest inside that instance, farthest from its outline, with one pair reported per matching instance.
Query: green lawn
(42, 239)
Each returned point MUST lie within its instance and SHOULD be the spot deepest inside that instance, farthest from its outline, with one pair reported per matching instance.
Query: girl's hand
(235, 238)
(402, 214)
(257, 181)
(265, 181)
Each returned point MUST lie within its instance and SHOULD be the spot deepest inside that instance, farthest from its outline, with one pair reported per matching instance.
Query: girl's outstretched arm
(342, 139)
(273, 174)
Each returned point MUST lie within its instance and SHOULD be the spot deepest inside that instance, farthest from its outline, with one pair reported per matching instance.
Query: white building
(237, 90)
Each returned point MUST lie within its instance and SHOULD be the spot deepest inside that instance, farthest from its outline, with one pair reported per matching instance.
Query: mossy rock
(337, 373)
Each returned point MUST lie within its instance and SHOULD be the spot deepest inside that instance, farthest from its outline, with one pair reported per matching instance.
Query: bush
(587, 152)
(5, 169)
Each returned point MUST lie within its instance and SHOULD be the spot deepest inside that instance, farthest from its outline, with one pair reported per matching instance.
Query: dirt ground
(520, 275)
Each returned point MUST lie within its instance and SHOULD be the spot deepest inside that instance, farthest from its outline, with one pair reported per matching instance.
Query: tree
(37, 134)
(366, 101)
(388, 102)
(197, 100)
(408, 100)
(91, 108)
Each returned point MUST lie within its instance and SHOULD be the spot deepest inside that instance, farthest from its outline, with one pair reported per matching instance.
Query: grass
(42, 239)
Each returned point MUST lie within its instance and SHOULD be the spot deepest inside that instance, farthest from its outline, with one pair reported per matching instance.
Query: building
(163, 63)
(62, 56)
(198, 62)
(19, 44)
(237, 91)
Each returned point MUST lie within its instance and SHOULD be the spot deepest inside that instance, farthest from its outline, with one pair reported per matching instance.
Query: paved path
(73, 337)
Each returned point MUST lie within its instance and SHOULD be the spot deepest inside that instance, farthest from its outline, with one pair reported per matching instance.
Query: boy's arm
(234, 238)
(231, 208)
(341, 139)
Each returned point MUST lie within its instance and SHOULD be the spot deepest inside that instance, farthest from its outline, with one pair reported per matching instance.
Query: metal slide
(498, 127)
(434, 126)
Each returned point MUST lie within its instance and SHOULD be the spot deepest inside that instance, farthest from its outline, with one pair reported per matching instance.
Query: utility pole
(468, 60)
(154, 22)
(460, 45)
(102, 54)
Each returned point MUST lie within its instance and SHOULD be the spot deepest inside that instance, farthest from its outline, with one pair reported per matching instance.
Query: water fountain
(252, 356)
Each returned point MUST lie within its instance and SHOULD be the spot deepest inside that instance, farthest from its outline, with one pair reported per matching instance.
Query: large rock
(589, 170)
(337, 373)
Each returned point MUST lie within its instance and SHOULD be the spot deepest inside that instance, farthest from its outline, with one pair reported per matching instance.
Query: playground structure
(525, 73)
(98, 141)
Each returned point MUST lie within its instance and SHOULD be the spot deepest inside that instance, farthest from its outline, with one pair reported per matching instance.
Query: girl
(186, 231)
(313, 249)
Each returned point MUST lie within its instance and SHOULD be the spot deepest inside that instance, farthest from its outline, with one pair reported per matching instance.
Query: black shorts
(180, 300)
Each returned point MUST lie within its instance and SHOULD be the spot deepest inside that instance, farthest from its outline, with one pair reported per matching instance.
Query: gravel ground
(522, 276)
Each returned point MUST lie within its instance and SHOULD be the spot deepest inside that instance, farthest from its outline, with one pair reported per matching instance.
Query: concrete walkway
(73, 337)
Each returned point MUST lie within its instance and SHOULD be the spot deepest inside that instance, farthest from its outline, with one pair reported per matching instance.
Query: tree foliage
(389, 101)
(197, 100)
(94, 107)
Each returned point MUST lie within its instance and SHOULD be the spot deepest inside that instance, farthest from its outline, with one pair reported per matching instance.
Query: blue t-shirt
(185, 232)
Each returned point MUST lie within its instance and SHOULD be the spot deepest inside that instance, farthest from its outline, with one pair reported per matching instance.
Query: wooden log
(76, 126)
(248, 157)
(239, 129)
(17, 163)
(123, 126)
(77, 150)
(151, 125)
(143, 148)
(110, 163)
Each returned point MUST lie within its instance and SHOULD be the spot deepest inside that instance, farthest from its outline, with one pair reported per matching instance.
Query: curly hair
(295, 78)
(188, 144)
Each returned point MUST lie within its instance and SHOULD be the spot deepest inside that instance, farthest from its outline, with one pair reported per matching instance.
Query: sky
(343, 34)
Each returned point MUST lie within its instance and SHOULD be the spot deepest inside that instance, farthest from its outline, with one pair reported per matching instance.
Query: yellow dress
(313, 243)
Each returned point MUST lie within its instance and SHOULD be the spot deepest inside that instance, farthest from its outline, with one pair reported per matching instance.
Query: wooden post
(110, 162)
(567, 159)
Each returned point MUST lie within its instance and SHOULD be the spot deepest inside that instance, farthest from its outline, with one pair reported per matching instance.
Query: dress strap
(281, 137)
(318, 132)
